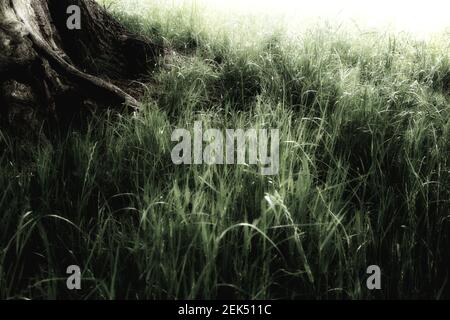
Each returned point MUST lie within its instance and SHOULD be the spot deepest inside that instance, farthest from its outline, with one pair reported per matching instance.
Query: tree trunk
(47, 70)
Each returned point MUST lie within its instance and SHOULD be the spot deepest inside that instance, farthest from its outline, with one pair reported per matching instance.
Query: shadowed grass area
(364, 175)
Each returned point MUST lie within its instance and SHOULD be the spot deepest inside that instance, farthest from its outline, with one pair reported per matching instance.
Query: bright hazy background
(414, 16)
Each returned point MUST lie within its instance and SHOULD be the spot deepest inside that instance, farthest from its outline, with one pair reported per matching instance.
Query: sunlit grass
(418, 18)
(364, 174)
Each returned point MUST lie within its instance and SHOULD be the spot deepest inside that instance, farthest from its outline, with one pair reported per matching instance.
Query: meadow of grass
(364, 177)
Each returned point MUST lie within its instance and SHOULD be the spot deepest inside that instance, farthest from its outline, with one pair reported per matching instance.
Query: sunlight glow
(414, 16)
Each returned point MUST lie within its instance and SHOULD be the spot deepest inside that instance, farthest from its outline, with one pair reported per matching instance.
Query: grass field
(364, 120)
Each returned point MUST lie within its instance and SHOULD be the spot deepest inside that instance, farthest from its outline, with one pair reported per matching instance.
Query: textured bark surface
(47, 70)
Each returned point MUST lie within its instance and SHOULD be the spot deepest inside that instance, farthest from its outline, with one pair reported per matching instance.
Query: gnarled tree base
(47, 69)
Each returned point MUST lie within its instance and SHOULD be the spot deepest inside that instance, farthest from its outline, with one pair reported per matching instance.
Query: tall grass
(364, 175)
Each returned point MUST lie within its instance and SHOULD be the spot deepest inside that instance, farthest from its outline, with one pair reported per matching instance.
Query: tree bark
(47, 70)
